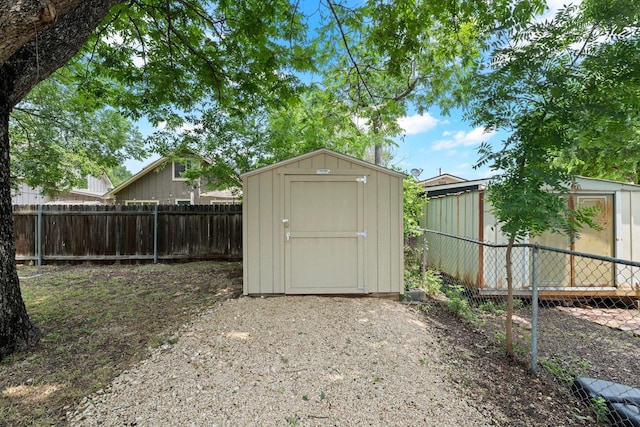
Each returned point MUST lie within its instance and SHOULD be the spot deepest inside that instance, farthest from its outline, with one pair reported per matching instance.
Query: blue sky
(432, 143)
(439, 144)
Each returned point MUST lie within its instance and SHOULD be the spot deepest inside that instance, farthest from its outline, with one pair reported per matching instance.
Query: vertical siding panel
(331, 162)
(277, 213)
(305, 164)
(343, 164)
(384, 232)
(319, 161)
(251, 211)
(266, 232)
(397, 249)
(634, 220)
(371, 247)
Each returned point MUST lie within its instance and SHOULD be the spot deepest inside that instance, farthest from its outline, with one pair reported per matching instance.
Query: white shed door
(324, 234)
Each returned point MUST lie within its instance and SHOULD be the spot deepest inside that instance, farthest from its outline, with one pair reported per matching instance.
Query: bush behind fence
(74, 233)
(576, 315)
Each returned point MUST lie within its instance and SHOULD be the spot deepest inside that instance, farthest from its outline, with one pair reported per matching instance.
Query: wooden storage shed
(323, 223)
(461, 209)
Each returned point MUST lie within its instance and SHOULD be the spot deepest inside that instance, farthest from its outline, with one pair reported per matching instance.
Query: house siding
(158, 185)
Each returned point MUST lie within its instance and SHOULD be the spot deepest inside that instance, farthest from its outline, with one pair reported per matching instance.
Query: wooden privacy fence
(71, 233)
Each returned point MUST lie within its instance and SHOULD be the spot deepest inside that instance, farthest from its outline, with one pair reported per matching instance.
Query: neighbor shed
(462, 209)
(322, 223)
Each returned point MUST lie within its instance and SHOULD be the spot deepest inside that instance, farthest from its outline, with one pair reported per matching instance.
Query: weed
(460, 307)
(598, 405)
(305, 398)
(566, 370)
(424, 361)
(431, 283)
(490, 307)
(292, 421)
(376, 379)
(322, 395)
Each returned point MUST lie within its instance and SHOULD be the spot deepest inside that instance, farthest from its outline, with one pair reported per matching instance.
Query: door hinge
(362, 179)
(362, 233)
(362, 288)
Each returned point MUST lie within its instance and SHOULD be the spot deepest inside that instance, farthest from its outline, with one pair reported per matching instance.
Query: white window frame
(187, 165)
(141, 202)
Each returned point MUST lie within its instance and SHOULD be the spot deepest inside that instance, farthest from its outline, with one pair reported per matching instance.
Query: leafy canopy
(59, 136)
(563, 89)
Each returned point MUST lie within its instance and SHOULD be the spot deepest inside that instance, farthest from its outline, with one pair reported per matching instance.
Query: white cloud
(462, 139)
(413, 125)
(186, 127)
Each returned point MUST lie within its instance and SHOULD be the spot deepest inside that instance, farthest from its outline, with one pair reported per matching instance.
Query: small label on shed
(323, 171)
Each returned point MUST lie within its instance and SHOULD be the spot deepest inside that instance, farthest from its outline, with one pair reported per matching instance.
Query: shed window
(183, 201)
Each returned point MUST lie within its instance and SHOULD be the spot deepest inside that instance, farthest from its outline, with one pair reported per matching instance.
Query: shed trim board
(323, 223)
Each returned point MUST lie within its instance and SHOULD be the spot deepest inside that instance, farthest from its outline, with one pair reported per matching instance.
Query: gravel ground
(308, 361)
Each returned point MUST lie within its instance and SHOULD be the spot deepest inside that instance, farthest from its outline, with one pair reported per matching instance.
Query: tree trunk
(41, 37)
(377, 154)
(16, 330)
(508, 342)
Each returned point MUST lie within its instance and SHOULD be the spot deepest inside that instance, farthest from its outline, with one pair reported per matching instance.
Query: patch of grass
(96, 322)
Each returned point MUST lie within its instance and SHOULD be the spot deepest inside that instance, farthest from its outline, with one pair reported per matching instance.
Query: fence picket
(120, 233)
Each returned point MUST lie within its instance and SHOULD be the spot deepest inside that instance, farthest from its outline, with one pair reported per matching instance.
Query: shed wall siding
(458, 214)
(264, 252)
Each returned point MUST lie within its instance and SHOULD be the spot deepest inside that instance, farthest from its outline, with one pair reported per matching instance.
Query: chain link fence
(576, 315)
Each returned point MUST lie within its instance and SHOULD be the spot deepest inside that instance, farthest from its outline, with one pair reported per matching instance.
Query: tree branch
(346, 46)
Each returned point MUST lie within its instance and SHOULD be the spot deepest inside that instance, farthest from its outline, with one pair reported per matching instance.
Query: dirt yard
(43, 386)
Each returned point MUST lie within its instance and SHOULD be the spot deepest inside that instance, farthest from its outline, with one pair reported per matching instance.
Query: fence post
(534, 315)
(39, 236)
(424, 253)
(155, 234)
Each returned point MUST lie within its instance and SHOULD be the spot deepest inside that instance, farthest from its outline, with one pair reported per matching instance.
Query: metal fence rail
(576, 314)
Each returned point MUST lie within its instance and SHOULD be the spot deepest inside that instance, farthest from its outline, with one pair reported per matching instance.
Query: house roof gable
(453, 178)
(145, 171)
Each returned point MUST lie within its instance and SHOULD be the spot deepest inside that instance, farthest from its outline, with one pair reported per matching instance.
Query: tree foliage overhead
(384, 57)
(59, 136)
(174, 55)
(570, 85)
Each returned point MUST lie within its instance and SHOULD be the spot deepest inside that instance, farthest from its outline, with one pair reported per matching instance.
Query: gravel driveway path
(306, 361)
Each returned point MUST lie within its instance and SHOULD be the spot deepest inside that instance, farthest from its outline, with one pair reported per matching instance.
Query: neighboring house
(92, 194)
(162, 183)
(222, 197)
(443, 178)
(462, 209)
